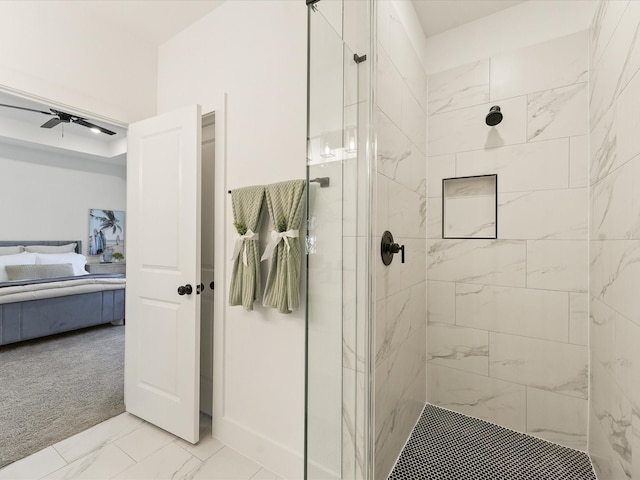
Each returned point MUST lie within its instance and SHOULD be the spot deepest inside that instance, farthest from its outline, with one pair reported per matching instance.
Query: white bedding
(20, 293)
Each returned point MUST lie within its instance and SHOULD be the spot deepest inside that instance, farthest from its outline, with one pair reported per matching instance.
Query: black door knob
(199, 289)
(186, 289)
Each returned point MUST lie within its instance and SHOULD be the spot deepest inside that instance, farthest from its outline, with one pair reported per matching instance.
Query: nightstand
(119, 267)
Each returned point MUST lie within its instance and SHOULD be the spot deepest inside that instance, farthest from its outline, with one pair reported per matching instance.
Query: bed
(67, 299)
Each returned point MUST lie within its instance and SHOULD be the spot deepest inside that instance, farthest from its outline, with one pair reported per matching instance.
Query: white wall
(60, 51)
(256, 53)
(46, 196)
(525, 24)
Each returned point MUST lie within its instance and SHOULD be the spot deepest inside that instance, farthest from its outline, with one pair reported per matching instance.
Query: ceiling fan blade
(51, 123)
(84, 123)
(24, 108)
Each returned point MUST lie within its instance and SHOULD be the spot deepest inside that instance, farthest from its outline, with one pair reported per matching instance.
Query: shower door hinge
(358, 59)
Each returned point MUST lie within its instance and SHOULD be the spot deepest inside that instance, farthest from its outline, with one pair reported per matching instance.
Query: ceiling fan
(63, 117)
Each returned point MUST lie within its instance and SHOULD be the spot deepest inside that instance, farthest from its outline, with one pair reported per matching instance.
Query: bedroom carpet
(55, 387)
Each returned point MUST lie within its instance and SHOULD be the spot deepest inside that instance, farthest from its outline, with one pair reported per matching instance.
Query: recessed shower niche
(470, 207)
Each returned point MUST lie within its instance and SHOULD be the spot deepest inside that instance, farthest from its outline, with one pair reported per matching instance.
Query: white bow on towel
(276, 237)
(236, 250)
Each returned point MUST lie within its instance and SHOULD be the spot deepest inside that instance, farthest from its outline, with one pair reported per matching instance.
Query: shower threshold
(446, 445)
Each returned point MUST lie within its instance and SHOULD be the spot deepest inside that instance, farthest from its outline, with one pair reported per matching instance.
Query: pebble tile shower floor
(446, 445)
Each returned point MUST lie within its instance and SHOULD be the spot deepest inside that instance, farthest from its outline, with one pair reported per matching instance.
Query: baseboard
(273, 456)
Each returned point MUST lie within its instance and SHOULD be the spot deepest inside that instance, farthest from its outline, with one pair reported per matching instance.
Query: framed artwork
(106, 233)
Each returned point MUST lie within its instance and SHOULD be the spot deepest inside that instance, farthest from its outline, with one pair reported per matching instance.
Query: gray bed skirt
(26, 320)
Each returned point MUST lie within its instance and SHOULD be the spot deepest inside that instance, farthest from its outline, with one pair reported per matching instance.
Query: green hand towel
(285, 202)
(245, 276)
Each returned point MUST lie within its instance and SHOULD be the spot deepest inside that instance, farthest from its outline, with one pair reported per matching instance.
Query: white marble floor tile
(105, 459)
(227, 464)
(265, 475)
(206, 447)
(104, 463)
(96, 437)
(34, 466)
(143, 441)
(170, 462)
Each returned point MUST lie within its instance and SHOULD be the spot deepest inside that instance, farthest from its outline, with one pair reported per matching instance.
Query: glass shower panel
(337, 247)
(324, 241)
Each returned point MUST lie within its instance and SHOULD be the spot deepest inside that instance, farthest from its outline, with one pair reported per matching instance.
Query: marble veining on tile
(603, 25)
(478, 395)
(528, 166)
(459, 347)
(603, 142)
(617, 285)
(459, 87)
(611, 211)
(520, 311)
(102, 458)
(619, 63)
(557, 63)
(497, 262)
(465, 130)
(557, 265)
(546, 365)
(545, 214)
(561, 112)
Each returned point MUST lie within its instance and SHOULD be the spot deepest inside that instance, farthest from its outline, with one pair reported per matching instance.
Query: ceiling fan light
(95, 130)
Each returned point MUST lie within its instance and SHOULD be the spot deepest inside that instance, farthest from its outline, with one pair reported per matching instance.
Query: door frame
(221, 204)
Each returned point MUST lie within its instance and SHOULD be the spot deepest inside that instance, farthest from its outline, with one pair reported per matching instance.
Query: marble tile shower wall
(508, 321)
(400, 316)
(614, 427)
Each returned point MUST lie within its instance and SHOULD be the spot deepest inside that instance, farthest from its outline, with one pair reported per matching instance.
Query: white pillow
(68, 248)
(12, 250)
(19, 259)
(76, 259)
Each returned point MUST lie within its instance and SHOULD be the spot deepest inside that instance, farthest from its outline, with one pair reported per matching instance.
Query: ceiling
(437, 16)
(172, 16)
(23, 127)
(156, 21)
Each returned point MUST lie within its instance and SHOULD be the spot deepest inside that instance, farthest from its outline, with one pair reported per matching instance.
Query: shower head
(494, 117)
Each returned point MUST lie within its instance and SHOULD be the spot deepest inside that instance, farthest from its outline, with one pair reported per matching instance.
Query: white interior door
(162, 339)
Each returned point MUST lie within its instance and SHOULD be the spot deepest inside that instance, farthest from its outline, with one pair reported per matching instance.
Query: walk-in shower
(513, 314)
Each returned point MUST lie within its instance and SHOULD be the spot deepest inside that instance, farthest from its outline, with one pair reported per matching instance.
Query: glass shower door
(337, 245)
